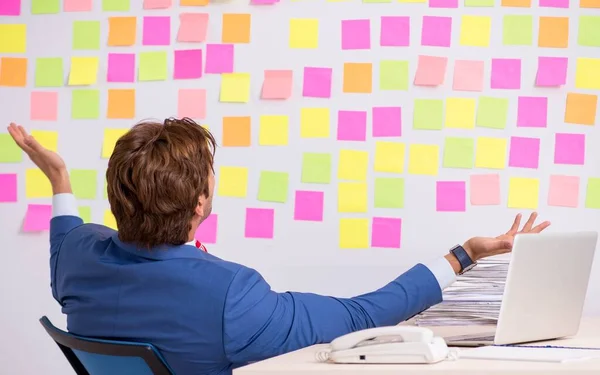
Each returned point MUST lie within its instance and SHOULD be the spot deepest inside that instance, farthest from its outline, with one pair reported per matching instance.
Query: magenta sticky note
(387, 121)
(44, 106)
(10, 7)
(8, 187)
(506, 74)
(219, 58)
(569, 148)
(207, 231)
(188, 64)
(157, 4)
(524, 152)
(386, 232)
(308, 205)
(436, 31)
(395, 31)
(468, 75)
(563, 191)
(121, 67)
(485, 189)
(551, 71)
(277, 84)
(431, 70)
(532, 112)
(317, 82)
(554, 3)
(192, 103)
(192, 27)
(356, 34)
(352, 126)
(37, 217)
(259, 222)
(443, 3)
(77, 5)
(450, 196)
(156, 31)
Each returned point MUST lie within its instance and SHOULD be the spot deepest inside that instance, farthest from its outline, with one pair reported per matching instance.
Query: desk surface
(302, 362)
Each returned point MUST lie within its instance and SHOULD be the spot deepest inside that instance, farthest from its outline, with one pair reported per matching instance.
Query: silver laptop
(545, 290)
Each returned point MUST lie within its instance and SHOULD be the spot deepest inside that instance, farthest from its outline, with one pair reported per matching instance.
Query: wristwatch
(466, 263)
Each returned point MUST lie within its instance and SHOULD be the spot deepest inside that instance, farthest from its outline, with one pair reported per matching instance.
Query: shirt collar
(187, 250)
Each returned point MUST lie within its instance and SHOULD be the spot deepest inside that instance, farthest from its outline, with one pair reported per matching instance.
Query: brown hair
(155, 175)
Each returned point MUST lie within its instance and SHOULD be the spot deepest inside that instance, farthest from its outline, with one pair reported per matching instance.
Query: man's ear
(200, 206)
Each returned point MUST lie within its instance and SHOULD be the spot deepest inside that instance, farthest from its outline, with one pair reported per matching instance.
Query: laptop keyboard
(482, 338)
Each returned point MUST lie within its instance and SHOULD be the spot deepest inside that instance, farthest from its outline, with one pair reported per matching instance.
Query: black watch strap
(466, 263)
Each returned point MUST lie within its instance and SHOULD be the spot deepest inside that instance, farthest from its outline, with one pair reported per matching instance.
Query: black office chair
(90, 356)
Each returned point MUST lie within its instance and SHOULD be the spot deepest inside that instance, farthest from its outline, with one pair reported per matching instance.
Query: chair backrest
(91, 356)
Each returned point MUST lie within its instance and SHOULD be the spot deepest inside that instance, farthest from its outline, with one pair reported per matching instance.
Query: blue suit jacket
(204, 314)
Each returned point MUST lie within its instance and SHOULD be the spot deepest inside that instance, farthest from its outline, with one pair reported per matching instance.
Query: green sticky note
(316, 168)
(517, 30)
(85, 104)
(459, 152)
(44, 6)
(86, 35)
(428, 114)
(115, 5)
(492, 112)
(393, 75)
(85, 213)
(84, 183)
(592, 194)
(273, 186)
(589, 31)
(9, 151)
(153, 66)
(479, 3)
(49, 72)
(389, 192)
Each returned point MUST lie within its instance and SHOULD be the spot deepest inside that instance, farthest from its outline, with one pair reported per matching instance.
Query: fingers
(17, 134)
(515, 227)
(529, 223)
(540, 227)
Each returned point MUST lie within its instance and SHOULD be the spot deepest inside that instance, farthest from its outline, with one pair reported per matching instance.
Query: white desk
(302, 362)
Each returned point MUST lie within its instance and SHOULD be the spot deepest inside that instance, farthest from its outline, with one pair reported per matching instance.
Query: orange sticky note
(554, 32)
(236, 28)
(236, 131)
(589, 3)
(121, 103)
(13, 71)
(358, 77)
(121, 31)
(517, 3)
(193, 3)
(581, 108)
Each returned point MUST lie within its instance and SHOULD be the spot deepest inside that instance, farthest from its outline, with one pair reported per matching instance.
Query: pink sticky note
(524, 152)
(563, 191)
(352, 126)
(157, 4)
(532, 112)
(506, 74)
(485, 189)
(554, 3)
(277, 84)
(450, 196)
(77, 5)
(10, 7)
(569, 148)
(387, 121)
(188, 64)
(468, 75)
(207, 231)
(443, 3)
(192, 27)
(551, 71)
(121, 67)
(308, 205)
(156, 31)
(431, 70)
(356, 34)
(386, 232)
(436, 31)
(317, 82)
(259, 222)
(37, 218)
(44, 106)
(395, 31)
(219, 58)
(8, 187)
(191, 103)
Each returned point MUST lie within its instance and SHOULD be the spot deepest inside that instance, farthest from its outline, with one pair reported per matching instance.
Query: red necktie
(201, 247)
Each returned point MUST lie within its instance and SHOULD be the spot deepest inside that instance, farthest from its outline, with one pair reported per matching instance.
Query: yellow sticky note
(423, 159)
(233, 181)
(523, 192)
(314, 122)
(13, 38)
(352, 197)
(47, 139)
(235, 87)
(37, 184)
(389, 157)
(353, 165)
(109, 220)
(475, 31)
(111, 136)
(85, 213)
(274, 130)
(354, 233)
(84, 71)
(304, 33)
(587, 74)
(490, 153)
(460, 113)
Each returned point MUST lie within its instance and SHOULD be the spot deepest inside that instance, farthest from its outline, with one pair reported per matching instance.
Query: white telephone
(396, 344)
